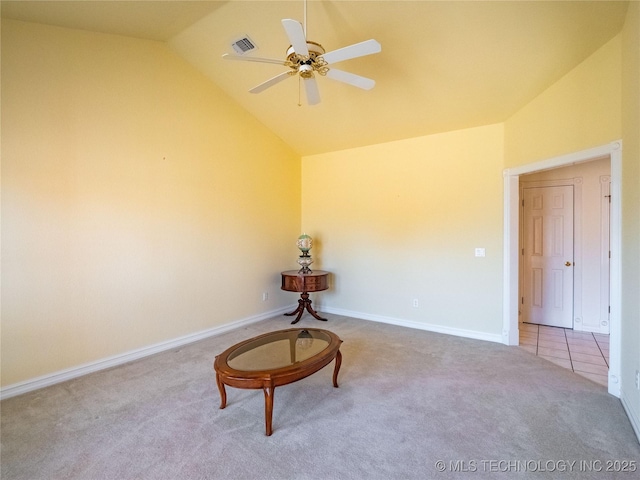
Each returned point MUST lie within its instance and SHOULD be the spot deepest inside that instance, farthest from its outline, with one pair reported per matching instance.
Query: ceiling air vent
(243, 45)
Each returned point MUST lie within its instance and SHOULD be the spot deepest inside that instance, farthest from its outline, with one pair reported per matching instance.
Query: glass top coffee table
(274, 359)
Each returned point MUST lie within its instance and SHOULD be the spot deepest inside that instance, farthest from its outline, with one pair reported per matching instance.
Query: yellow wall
(596, 103)
(631, 211)
(139, 203)
(580, 111)
(401, 221)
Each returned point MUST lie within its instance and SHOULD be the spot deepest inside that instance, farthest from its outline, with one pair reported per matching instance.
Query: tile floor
(585, 353)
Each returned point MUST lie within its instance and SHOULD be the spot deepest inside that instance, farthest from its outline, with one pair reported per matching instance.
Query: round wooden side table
(315, 281)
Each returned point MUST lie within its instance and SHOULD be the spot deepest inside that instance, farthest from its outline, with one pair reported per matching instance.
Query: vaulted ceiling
(444, 65)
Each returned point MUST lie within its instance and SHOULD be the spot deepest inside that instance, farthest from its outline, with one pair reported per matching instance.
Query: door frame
(605, 255)
(511, 275)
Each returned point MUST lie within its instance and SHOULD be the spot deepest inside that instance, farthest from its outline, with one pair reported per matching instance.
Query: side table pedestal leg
(304, 304)
(299, 311)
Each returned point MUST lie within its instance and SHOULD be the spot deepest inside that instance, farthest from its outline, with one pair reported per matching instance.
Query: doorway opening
(513, 250)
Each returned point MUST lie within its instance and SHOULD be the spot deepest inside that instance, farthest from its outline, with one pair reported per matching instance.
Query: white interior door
(548, 256)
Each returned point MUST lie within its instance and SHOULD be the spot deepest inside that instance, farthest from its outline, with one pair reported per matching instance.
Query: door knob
(568, 264)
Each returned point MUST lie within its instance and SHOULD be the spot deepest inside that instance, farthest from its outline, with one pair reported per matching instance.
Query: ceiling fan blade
(226, 56)
(295, 33)
(352, 51)
(311, 87)
(351, 78)
(270, 83)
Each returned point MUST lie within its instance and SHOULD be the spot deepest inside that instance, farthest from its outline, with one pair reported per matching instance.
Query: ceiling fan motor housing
(315, 50)
(305, 65)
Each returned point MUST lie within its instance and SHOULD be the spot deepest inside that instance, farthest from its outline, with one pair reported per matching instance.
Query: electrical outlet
(638, 379)
(265, 296)
(415, 302)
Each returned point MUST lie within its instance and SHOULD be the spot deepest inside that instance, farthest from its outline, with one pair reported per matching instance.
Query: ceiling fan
(306, 59)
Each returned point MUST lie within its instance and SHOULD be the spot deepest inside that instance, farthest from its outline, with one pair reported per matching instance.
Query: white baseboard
(458, 332)
(75, 372)
(635, 421)
(109, 362)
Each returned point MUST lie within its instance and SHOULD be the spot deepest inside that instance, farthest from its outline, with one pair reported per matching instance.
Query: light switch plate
(480, 252)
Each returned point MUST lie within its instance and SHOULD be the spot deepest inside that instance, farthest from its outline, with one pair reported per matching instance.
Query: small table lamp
(305, 242)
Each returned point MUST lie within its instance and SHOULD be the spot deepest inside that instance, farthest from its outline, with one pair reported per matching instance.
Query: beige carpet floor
(411, 405)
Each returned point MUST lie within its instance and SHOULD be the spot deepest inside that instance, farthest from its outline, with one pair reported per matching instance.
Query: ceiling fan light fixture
(305, 70)
(305, 65)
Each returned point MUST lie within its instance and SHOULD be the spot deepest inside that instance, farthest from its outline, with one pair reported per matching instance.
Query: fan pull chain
(299, 92)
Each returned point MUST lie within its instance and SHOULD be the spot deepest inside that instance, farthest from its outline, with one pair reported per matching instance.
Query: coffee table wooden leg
(336, 369)
(268, 408)
(223, 393)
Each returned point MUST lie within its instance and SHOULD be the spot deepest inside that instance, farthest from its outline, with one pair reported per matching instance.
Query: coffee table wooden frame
(268, 380)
